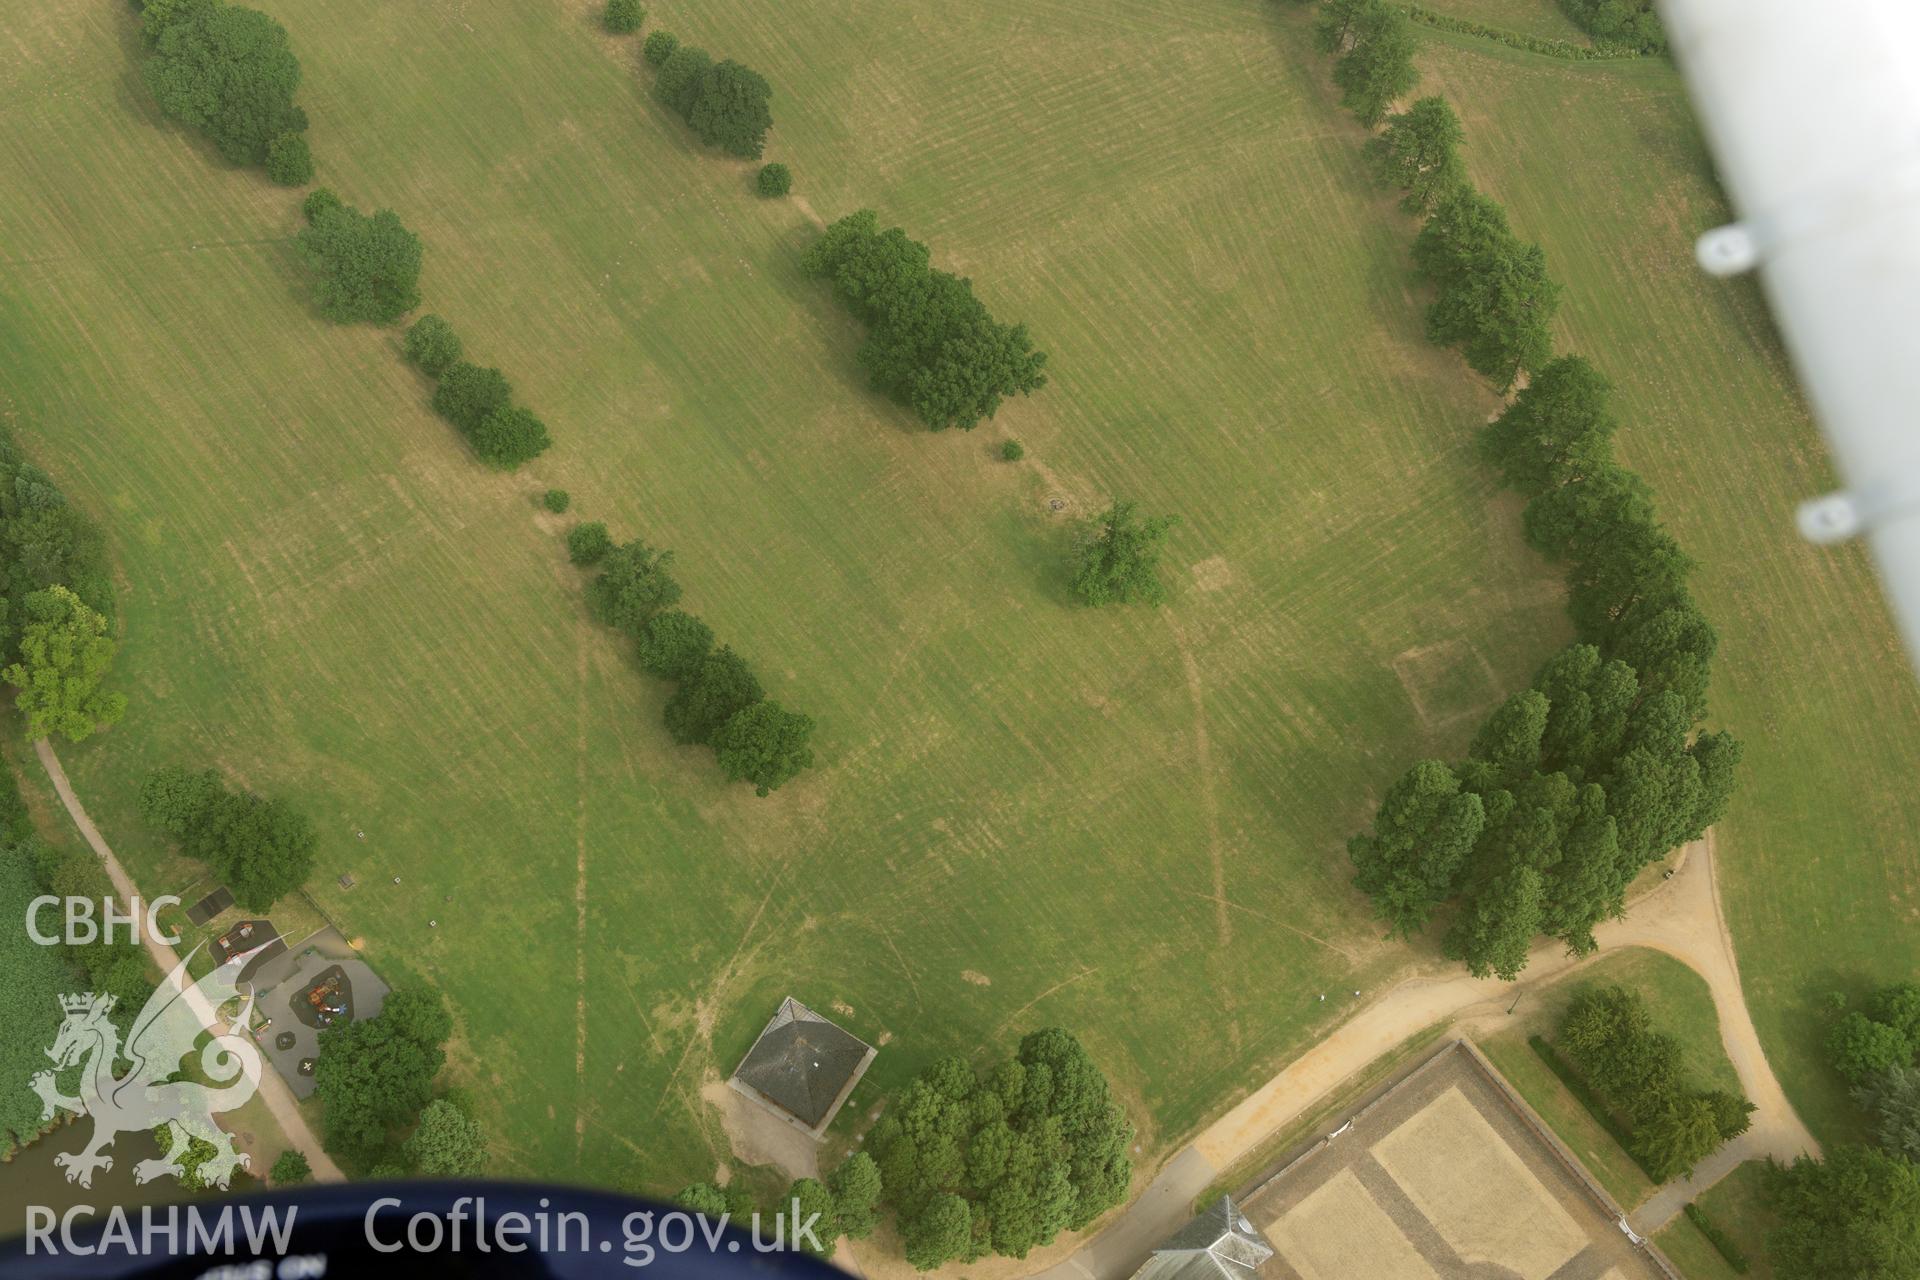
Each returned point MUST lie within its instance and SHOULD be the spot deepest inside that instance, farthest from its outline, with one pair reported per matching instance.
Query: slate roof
(1219, 1244)
(802, 1062)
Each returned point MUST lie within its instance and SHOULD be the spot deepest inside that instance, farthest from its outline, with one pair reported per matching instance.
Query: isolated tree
(636, 581)
(623, 17)
(659, 47)
(448, 1143)
(1855, 1214)
(1556, 430)
(731, 110)
(673, 644)
(227, 72)
(290, 1168)
(764, 744)
(939, 1233)
(65, 658)
(369, 267)
(1419, 152)
(856, 1196)
(588, 542)
(773, 180)
(432, 344)
(510, 436)
(1892, 1099)
(1494, 299)
(1378, 64)
(1410, 862)
(290, 160)
(556, 500)
(468, 395)
(1119, 557)
(722, 687)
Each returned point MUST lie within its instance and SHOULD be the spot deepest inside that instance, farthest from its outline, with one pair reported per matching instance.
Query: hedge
(1717, 1237)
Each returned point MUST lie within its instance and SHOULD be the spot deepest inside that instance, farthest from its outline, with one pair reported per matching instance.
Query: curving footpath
(1681, 917)
(273, 1090)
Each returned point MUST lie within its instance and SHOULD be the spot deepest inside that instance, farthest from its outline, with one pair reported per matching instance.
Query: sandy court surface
(1479, 1195)
(1338, 1231)
(1443, 1177)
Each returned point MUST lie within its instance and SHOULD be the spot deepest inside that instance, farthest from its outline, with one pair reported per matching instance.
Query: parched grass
(1818, 858)
(1128, 822)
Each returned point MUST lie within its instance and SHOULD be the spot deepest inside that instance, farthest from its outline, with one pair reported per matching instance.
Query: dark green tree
(659, 47)
(1556, 430)
(1119, 557)
(809, 1203)
(368, 267)
(511, 436)
(1672, 651)
(1378, 64)
(1509, 742)
(1588, 701)
(290, 160)
(673, 644)
(262, 848)
(623, 17)
(720, 689)
(376, 1074)
(678, 83)
(1892, 1099)
(1496, 927)
(764, 744)
(940, 1233)
(731, 110)
(433, 345)
(557, 501)
(173, 799)
(447, 1143)
(1335, 26)
(227, 72)
(588, 543)
(1682, 1134)
(318, 201)
(773, 180)
(636, 581)
(1494, 300)
(856, 1196)
(1578, 516)
(290, 1169)
(1419, 152)
(1412, 859)
(1856, 1214)
(1860, 1048)
(468, 395)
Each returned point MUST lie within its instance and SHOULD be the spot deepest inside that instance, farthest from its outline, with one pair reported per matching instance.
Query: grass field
(1818, 856)
(1128, 823)
(1125, 822)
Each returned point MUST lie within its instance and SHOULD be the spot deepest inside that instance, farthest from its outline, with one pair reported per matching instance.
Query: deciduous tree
(65, 658)
(722, 687)
(448, 1143)
(1119, 557)
(433, 345)
(1494, 300)
(227, 72)
(1412, 859)
(1419, 152)
(368, 267)
(764, 744)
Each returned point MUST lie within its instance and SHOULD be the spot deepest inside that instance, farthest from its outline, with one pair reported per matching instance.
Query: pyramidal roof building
(802, 1067)
(1219, 1244)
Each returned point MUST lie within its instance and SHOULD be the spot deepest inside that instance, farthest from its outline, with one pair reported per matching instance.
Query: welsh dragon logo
(173, 1020)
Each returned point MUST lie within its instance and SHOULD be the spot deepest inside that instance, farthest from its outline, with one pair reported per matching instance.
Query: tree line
(1575, 784)
(720, 702)
(1632, 23)
(56, 605)
(1640, 1073)
(38, 976)
(847, 1204)
(931, 344)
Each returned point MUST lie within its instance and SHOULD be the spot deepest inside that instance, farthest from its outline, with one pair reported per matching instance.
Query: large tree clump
(263, 848)
(1494, 299)
(932, 344)
(375, 1075)
(226, 71)
(65, 658)
(1005, 1163)
(368, 265)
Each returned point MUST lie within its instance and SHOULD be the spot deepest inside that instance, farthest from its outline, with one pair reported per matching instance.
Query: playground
(315, 984)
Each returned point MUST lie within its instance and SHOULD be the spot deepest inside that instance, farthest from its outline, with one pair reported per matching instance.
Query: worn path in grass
(273, 1090)
(1681, 917)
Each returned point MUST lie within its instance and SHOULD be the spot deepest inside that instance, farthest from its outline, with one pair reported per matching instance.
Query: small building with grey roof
(1219, 1244)
(802, 1068)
